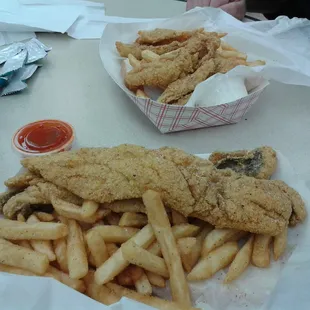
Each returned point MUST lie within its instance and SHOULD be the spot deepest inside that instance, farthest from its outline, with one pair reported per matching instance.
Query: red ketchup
(41, 137)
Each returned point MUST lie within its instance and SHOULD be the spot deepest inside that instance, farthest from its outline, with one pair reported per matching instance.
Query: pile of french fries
(126, 252)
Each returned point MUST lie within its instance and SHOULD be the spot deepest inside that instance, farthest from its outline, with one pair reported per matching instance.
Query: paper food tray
(253, 290)
(283, 64)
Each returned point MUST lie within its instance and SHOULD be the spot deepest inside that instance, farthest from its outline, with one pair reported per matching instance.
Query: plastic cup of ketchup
(43, 137)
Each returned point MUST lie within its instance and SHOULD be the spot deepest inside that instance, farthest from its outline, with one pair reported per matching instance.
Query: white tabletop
(73, 86)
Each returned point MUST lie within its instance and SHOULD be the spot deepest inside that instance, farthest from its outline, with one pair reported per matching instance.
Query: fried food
(158, 35)
(190, 185)
(187, 84)
(241, 261)
(38, 194)
(22, 180)
(4, 197)
(136, 49)
(155, 48)
(260, 163)
(183, 100)
(279, 244)
(160, 73)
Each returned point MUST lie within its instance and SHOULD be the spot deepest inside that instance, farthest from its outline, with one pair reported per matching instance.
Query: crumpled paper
(19, 64)
(274, 288)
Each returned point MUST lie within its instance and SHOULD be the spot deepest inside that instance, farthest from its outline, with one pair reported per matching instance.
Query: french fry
(143, 285)
(149, 55)
(170, 55)
(134, 62)
(60, 249)
(216, 238)
(14, 230)
(112, 248)
(113, 218)
(179, 231)
(186, 247)
(112, 233)
(178, 218)
(72, 211)
(25, 244)
(143, 258)
(142, 94)
(76, 252)
(193, 258)
(117, 263)
(241, 261)
(97, 247)
(17, 256)
(44, 217)
(16, 270)
(261, 251)
(158, 218)
(64, 278)
(89, 208)
(155, 279)
(132, 219)
(102, 294)
(89, 278)
(20, 218)
(215, 261)
(129, 275)
(233, 54)
(128, 205)
(225, 46)
(255, 63)
(152, 301)
(41, 246)
(279, 244)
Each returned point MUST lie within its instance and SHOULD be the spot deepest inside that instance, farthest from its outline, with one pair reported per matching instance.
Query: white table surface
(73, 86)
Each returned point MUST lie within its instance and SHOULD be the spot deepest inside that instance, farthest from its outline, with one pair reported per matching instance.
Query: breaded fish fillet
(22, 180)
(39, 194)
(161, 73)
(260, 163)
(187, 84)
(159, 34)
(188, 184)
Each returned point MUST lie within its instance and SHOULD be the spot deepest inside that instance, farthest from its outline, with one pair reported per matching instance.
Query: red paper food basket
(172, 118)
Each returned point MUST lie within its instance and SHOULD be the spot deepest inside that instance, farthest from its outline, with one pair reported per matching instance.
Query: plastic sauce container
(43, 137)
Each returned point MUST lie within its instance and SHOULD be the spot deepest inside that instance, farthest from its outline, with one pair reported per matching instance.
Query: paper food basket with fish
(194, 100)
(192, 185)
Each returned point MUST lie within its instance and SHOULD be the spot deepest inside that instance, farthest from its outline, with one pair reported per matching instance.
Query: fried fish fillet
(159, 34)
(183, 100)
(39, 194)
(260, 163)
(161, 73)
(136, 49)
(4, 197)
(187, 84)
(188, 184)
(22, 180)
(223, 65)
(200, 42)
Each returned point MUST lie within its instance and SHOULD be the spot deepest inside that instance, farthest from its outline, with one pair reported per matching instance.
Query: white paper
(11, 37)
(83, 16)
(92, 25)
(255, 289)
(283, 63)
